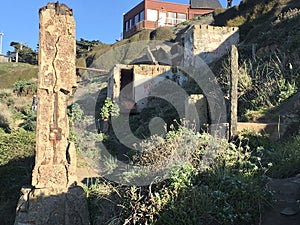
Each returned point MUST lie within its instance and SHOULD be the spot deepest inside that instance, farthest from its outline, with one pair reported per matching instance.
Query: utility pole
(1, 35)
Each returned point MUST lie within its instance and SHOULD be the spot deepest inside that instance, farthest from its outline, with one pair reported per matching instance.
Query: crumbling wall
(208, 42)
(145, 78)
(196, 110)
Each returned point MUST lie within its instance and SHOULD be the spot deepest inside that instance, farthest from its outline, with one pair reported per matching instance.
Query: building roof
(208, 4)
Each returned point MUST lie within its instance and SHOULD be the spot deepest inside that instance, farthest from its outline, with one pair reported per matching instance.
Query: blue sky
(95, 19)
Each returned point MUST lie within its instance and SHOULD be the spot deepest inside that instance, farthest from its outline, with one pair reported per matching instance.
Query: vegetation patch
(16, 162)
(228, 189)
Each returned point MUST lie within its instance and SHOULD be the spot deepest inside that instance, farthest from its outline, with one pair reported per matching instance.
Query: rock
(288, 211)
(47, 208)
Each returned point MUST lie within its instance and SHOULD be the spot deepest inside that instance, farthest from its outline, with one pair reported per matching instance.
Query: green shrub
(236, 22)
(17, 145)
(16, 161)
(29, 120)
(285, 158)
(25, 87)
(5, 117)
(75, 113)
(4, 95)
(109, 109)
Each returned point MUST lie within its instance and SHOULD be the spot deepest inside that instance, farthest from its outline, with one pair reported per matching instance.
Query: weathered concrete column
(55, 161)
(54, 197)
(234, 77)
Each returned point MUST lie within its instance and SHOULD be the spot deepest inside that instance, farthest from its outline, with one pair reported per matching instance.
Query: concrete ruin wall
(208, 42)
(196, 110)
(55, 156)
(3, 59)
(145, 77)
(274, 130)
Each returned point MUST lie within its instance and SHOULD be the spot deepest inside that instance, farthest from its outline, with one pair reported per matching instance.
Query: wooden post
(233, 91)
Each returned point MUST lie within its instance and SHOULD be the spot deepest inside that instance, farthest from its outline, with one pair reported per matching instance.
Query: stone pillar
(54, 197)
(234, 77)
(55, 161)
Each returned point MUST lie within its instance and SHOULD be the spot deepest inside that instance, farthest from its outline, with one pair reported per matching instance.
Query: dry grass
(12, 72)
(22, 103)
(5, 116)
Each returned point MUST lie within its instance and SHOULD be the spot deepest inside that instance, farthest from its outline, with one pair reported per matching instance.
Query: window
(126, 25)
(152, 15)
(181, 17)
(142, 15)
(171, 18)
(130, 24)
(136, 19)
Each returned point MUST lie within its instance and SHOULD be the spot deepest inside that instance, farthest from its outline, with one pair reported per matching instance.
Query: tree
(24, 53)
(84, 46)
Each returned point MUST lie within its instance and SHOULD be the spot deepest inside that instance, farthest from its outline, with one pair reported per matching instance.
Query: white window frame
(152, 15)
(171, 18)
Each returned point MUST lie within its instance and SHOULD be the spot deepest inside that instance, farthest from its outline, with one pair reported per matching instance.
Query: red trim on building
(142, 16)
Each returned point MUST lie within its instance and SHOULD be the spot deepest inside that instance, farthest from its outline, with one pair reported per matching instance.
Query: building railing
(174, 21)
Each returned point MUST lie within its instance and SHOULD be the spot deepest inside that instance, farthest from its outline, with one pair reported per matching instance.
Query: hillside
(12, 72)
(272, 26)
(228, 190)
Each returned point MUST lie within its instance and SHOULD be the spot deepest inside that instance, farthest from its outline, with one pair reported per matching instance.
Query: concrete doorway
(127, 92)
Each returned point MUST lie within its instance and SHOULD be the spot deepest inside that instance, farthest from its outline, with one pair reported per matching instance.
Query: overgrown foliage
(285, 157)
(29, 120)
(75, 113)
(16, 161)
(17, 145)
(219, 183)
(25, 87)
(263, 83)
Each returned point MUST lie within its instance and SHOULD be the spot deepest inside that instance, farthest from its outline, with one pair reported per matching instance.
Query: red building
(150, 14)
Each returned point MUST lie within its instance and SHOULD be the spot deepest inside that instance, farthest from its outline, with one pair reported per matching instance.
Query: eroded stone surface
(55, 155)
(54, 197)
(43, 206)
